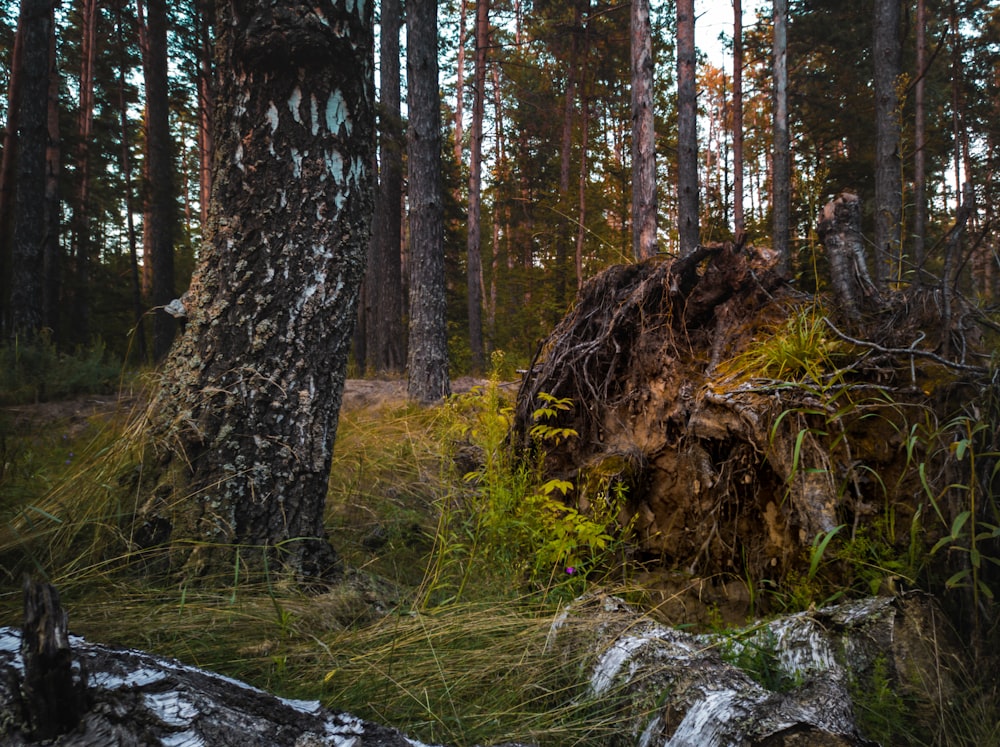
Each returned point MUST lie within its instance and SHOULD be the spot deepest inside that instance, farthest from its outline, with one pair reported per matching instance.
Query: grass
(388, 644)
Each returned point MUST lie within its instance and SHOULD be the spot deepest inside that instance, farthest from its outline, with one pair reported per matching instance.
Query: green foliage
(514, 530)
(37, 371)
(799, 349)
(882, 713)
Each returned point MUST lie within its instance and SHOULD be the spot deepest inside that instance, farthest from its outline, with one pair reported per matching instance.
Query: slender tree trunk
(566, 160)
(643, 135)
(474, 267)
(81, 211)
(206, 106)
(51, 250)
(781, 169)
(7, 178)
(739, 220)
(888, 165)
(581, 222)
(920, 146)
(460, 83)
(126, 166)
(251, 393)
(29, 209)
(160, 222)
(383, 286)
(687, 130)
(428, 351)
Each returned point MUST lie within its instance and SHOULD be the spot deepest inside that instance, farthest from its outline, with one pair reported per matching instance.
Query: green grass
(395, 642)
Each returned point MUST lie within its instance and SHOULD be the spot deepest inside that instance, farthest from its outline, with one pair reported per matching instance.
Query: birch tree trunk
(251, 394)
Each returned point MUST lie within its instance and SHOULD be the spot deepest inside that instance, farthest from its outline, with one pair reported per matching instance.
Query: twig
(905, 351)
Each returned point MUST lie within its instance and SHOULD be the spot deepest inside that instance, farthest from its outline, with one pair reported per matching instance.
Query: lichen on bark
(249, 399)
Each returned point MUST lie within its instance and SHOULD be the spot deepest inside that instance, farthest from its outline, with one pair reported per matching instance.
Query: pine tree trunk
(687, 130)
(474, 267)
(29, 210)
(7, 178)
(739, 220)
(160, 221)
(781, 176)
(51, 249)
(920, 145)
(428, 348)
(643, 135)
(252, 391)
(126, 167)
(206, 106)
(81, 210)
(383, 287)
(888, 173)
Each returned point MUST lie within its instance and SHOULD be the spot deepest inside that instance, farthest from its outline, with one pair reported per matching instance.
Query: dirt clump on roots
(735, 460)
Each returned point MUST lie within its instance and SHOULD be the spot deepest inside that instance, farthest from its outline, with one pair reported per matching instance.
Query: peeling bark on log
(140, 699)
(679, 689)
(839, 228)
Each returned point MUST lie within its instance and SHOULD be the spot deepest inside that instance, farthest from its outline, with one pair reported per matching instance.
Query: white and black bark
(643, 135)
(839, 228)
(781, 169)
(427, 361)
(687, 130)
(805, 670)
(888, 164)
(252, 391)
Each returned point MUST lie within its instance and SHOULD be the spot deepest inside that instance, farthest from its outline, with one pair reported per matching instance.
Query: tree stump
(53, 695)
(839, 228)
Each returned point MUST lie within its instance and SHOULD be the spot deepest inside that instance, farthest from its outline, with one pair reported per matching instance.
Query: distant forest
(537, 155)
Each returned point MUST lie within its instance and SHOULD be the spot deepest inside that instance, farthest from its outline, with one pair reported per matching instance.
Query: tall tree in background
(8, 176)
(204, 9)
(643, 135)
(383, 287)
(427, 361)
(781, 169)
(124, 68)
(687, 130)
(160, 207)
(82, 234)
(252, 392)
(37, 26)
(51, 210)
(739, 220)
(888, 164)
(919, 233)
(474, 267)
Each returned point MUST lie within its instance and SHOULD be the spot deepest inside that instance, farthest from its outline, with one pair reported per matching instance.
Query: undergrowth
(463, 553)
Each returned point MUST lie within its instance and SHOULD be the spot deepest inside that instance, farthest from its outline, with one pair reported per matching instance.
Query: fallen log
(794, 681)
(61, 690)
